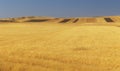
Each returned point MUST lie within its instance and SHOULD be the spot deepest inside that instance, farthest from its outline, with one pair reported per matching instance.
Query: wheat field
(59, 47)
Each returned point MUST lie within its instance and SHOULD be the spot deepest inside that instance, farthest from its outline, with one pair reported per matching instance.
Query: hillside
(102, 19)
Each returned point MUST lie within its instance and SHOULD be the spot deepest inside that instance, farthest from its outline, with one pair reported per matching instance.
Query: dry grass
(55, 47)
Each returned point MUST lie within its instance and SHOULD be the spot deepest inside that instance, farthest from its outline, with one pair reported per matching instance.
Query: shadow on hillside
(108, 20)
(7, 21)
(65, 21)
(37, 20)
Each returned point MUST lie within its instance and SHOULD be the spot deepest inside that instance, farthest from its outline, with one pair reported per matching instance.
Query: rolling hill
(102, 19)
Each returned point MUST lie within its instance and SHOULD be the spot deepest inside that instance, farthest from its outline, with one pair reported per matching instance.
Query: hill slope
(104, 19)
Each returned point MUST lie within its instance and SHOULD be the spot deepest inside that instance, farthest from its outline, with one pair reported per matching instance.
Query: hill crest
(99, 19)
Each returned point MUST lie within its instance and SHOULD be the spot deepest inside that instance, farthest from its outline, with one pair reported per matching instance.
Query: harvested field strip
(91, 20)
(76, 20)
(100, 20)
(116, 19)
(88, 20)
(55, 20)
(108, 20)
(65, 21)
(37, 20)
(82, 20)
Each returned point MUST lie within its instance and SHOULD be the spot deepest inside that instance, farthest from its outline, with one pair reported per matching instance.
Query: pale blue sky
(59, 8)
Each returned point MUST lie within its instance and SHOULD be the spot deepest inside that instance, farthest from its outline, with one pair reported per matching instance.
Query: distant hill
(101, 19)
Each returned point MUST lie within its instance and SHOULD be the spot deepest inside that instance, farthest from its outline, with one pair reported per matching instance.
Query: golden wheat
(58, 47)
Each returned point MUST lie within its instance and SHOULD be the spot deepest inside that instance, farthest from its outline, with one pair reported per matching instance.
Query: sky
(59, 8)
